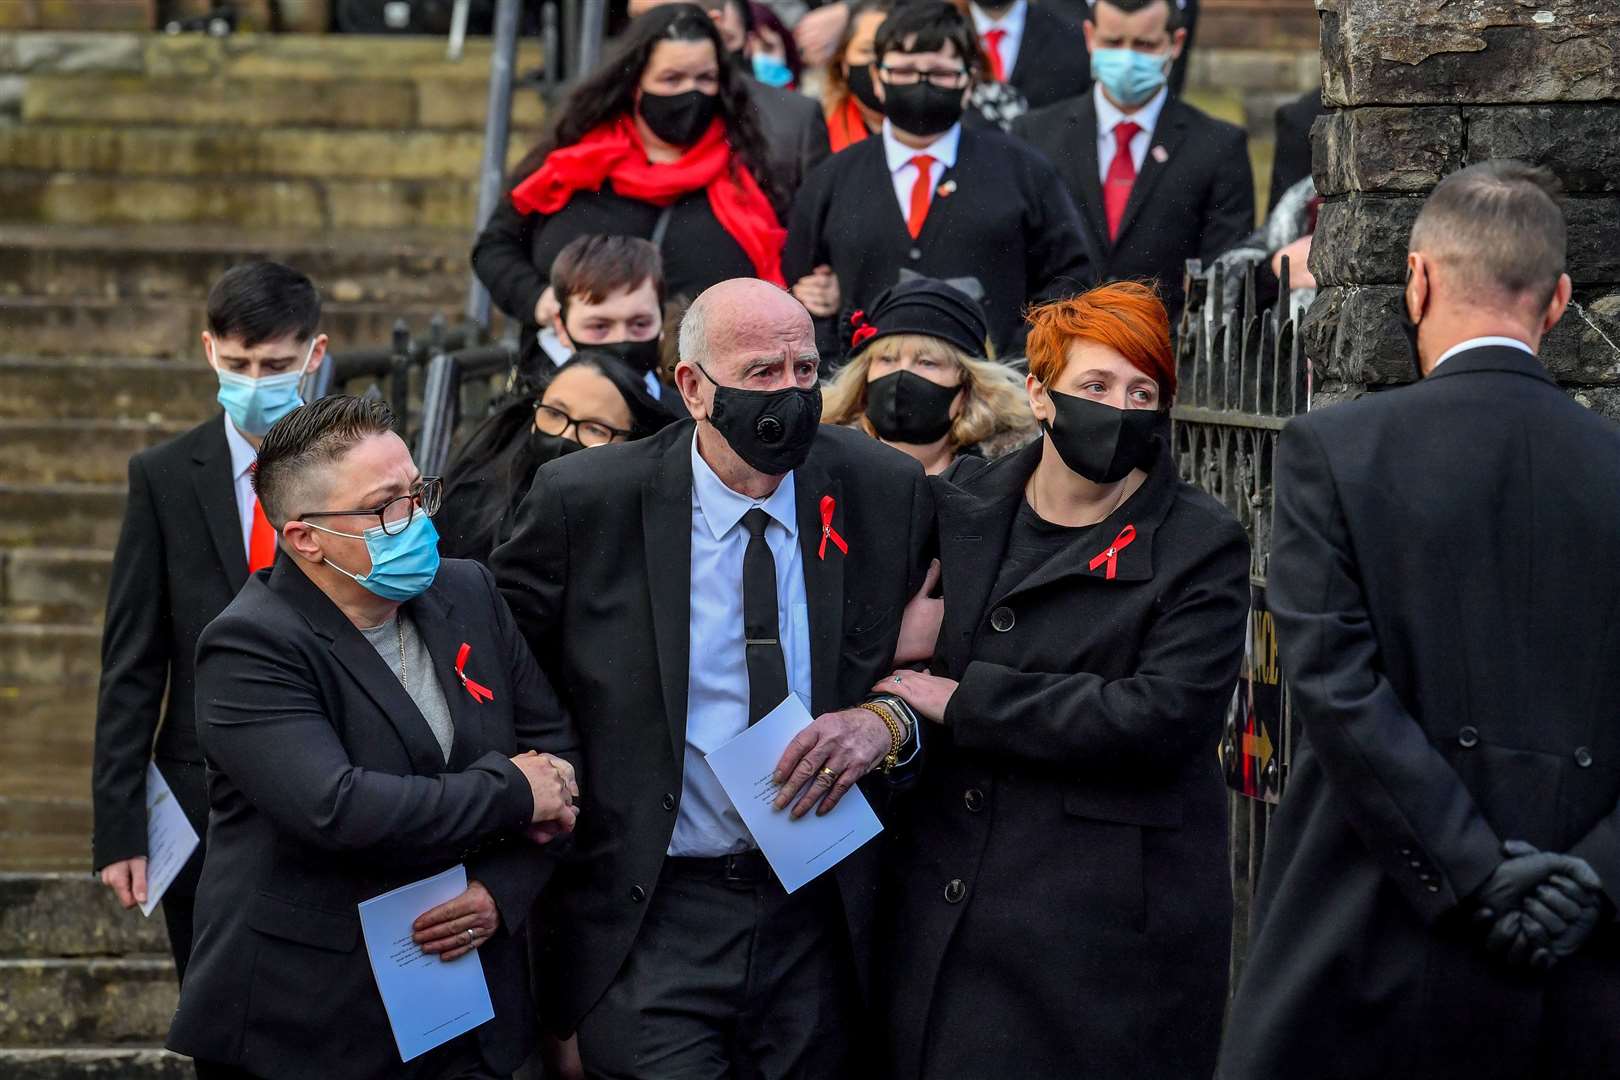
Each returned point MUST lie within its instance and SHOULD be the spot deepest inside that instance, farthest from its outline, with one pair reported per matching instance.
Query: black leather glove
(1509, 934)
(1567, 908)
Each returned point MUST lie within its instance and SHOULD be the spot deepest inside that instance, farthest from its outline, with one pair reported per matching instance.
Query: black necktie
(767, 671)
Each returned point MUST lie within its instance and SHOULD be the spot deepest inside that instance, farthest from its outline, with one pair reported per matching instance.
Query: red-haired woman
(1062, 905)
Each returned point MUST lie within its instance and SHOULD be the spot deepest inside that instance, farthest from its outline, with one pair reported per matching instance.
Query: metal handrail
(441, 397)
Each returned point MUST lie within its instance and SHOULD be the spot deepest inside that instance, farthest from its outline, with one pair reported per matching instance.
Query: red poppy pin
(827, 530)
(946, 190)
(1110, 554)
(479, 691)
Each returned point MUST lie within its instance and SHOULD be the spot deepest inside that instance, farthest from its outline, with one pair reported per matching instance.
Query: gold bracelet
(897, 733)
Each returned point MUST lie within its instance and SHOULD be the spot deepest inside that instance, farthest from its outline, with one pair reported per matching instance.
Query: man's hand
(457, 927)
(818, 32)
(919, 624)
(1521, 926)
(826, 759)
(928, 695)
(818, 292)
(127, 879)
(546, 308)
(551, 782)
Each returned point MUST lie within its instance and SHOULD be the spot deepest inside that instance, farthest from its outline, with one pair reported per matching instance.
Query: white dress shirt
(1482, 343)
(717, 671)
(1109, 117)
(904, 173)
(242, 458)
(1013, 23)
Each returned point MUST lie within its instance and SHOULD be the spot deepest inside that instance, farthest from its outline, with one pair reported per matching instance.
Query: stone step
(45, 813)
(75, 515)
(61, 585)
(59, 326)
(93, 1063)
(411, 265)
(153, 391)
(78, 451)
(45, 834)
(54, 1002)
(59, 915)
(258, 204)
(37, 657)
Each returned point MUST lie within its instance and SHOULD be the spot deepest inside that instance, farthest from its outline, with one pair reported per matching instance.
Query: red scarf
(845, 125)
(614, 152)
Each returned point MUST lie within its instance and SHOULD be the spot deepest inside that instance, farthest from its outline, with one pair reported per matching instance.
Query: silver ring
(470, 937)
(897, 680)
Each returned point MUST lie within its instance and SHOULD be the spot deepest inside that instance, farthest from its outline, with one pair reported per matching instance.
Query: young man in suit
(932, 198)
(370, 718)
(1157, 181)
(192, 532)
(1039, 51)
(1440, 884)
(677, 589)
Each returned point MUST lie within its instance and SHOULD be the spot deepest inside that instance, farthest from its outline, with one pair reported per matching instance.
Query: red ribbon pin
(863, 328)
(827, 530)
(1110, 554)
(480, 692)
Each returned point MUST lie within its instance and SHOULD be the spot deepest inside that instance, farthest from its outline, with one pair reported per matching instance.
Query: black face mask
(904, 407)
(1409, 330)
(544, 448)
(1099, 442)
(860, 84)
(922, 109)
(678, 119)
(640, 355)
(772, 430)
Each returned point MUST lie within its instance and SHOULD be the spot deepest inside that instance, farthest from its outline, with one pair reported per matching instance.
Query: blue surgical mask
(255, 404)
(772, 70)
(1130, 77)
(403, 565)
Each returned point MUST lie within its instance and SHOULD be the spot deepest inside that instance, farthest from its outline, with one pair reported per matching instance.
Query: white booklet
(170, 839)
(429, 1001)
(799, 851)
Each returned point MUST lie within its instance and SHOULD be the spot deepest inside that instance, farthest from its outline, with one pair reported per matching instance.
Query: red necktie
(1121, 177)
(262, 538)
(921, 188)
(992, 48)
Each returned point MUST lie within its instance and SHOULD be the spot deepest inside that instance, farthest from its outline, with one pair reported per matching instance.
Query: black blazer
(1292, 161)
(1195, 204)
(598, 574)
(1445, 588)
(1073, 793)
(1053, 62)
(1007, 224)
(180, 560)
(326, 788)
(795, 132)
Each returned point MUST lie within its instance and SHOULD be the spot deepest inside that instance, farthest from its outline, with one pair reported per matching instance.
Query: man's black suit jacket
(326, 788)
(1447, 598)
(795, 132)
(1193, 198)
(598, 574)
(1052, 63)
(180, 560)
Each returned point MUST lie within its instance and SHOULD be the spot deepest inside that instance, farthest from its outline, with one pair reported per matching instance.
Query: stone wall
(1424, 87)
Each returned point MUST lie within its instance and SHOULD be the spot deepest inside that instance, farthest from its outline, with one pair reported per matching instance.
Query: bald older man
(676, 589)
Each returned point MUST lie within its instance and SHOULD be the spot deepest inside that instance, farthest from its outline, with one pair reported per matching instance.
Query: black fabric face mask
(904, 407)
(923, 108)
(772, 430)
(860, 84)
(1099, 442)
(640, 355)
(544, 448)
(678, 119)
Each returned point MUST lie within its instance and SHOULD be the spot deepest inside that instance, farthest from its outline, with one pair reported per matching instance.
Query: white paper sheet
(170, 839)
(429, 1001)
(799, 851)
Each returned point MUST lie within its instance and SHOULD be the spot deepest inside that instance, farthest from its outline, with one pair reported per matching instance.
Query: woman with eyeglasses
(930, 196)
(593, 400)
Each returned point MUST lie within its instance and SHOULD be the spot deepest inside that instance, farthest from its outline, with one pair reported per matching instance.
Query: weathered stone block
(66, 53)
(71, 915)
(1584, 348)
(1386, 149)
(238, 103)
(1387, 52)
(1577, 142)
(64, 1002)
(1603, 400)
(1352, 335)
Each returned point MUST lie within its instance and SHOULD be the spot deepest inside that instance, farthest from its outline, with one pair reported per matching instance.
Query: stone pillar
(1424, 87)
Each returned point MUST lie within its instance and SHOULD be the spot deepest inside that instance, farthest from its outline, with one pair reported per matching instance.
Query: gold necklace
(1035, 505)
(399, 631)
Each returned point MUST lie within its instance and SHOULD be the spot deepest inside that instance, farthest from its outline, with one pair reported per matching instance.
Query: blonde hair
(995, 400)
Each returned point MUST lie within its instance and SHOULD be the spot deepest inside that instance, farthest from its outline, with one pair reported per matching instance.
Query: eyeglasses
(396, 514)
(553, 421)
(945, 80)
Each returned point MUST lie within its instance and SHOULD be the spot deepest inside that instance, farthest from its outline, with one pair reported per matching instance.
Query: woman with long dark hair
(659, 142)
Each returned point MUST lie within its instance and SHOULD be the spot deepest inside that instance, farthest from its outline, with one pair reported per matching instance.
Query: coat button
(1583, 757)
(1002, 619)
(973, 799)
(914, 254)
(669, 802)
(1432, 887)
(955, 891)
(1468, 738)
(637, 893)
(1407, 852)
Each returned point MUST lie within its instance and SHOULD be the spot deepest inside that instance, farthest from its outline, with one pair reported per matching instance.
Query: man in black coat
(1157, 181)
(186, 547)
(370, 718)
(1438, 894)
(1034, 48)
(671, 947)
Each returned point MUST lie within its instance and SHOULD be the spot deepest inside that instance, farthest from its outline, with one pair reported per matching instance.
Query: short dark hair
(262, 301)
(931, 24)
(1499, 227)
(593, 268)
(1131, 7)
(310, 436)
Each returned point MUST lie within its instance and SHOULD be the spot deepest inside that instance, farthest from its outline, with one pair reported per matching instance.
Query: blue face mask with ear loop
(771, 70)
(1130, 77)
(402, 565)
(254, 404)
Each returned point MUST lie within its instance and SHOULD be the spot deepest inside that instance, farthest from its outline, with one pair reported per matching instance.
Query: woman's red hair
(1126, 316)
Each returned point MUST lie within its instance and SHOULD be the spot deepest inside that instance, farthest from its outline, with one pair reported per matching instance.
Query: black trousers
(178, 910)
(728, 980)
(457, 1059)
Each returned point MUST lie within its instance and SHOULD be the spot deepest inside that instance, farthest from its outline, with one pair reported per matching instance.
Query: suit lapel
(215, 486)
(1083, 165)
(434, 616)
(666, 521)
(1167, 135)
(823, 579)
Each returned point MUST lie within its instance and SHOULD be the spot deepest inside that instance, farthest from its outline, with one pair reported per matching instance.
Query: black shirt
(1031, 541)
